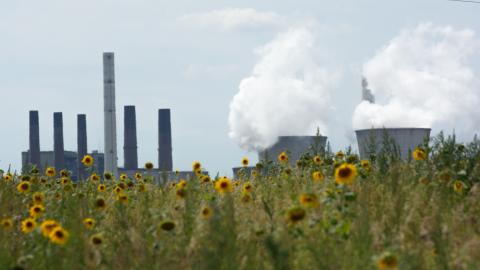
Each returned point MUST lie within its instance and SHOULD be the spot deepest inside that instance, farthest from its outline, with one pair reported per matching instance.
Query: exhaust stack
(130, 144)
(58, 150)
(165, 162)
(110, 123)
(82, 149)
(34, 139)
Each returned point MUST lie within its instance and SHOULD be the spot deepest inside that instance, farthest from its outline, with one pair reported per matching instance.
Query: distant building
(47, 159)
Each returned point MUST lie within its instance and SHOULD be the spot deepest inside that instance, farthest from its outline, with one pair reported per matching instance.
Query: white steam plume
(422, 78)
(286, 94)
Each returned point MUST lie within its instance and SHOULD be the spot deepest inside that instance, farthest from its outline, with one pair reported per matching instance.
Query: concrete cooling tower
(371, 141)
(295, 146)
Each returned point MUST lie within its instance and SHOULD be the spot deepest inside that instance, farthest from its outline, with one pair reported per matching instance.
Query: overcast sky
(189, 56)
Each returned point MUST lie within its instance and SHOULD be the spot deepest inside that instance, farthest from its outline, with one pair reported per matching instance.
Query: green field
(329, 211)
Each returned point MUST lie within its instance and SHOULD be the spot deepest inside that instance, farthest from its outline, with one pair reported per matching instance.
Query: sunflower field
(324, 211)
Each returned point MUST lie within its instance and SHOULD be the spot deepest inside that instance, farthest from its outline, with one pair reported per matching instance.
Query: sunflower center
(345, 172)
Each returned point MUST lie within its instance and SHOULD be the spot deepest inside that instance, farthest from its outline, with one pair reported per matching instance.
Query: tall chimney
(82, 149)
(110, 123)
(130, 144)
(58, 151)
(164, 140)
(34, 139)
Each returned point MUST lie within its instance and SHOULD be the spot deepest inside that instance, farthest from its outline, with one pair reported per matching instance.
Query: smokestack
(164, 141)
(130, 144)
(110, 123)
(82, 149)
(58, 151)
(34, 139)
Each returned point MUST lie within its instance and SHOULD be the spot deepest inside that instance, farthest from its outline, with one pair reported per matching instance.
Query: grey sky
(171, 55)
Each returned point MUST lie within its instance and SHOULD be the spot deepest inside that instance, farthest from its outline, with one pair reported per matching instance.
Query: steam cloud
(422, 78)
(286, 94)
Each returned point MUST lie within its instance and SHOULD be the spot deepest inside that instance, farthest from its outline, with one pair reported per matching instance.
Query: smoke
(286, 94)
(423, 78)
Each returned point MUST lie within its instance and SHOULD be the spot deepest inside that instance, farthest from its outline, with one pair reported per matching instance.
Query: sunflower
(89, 223)
(28, 225)
(177, 172)
(318, 176)
(149, 165)
(340, 155)
(224, 185)
(117, 190)
(87, 160)
(205, 179)
(365, 165)
(102, 188)
(317, 160)
(247, 187)
(123, 177)
(138, 176)
(100, 203)
(142, 187)
(50, 172)
(23, 187)
(123, 198)
(245, 162)
(206, 212)
(181, 193)
(196, 165)
(47, 227)
(59, 236)
(182, 184)
(283, 157)
(167, 225)
(254, 173)
(309, 200)
(96, 240)
(387, 261)
(108, 176)
(8, 177)
(6, 223)
(198, 172)
(345, 174)
(419, 154)
(94, 177)
(295, 214)
(36, 211)
(64, 173)
(458, 186)
(65, 180)
(38, 198)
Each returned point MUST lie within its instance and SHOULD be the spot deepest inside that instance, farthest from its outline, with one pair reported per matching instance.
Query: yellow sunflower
(458, 186)
(87, 160)
(89, 223)
(419, 154)
(224, 185)
(205, 179)
(47, 227)
(36, 211)
(365, 165)
(317, 160)
(295, 214)
(318, 176)
(182, 184)
(28, 225)
(50, 172)
(123, 198)
(8, 177)
(247, 187)
(149, 165)
(59, 235)
(102, 188)
(206, 212)
(100, 203)
(345, 174)
(38, 198)
(245, 161)
(6, 223)
(123, 177)
(138, 176)
(387, 261)
(96, 240)
(94, 177)
(309, 200)
(108, 176)
(196, 166)
(283, 157)
(23, 187)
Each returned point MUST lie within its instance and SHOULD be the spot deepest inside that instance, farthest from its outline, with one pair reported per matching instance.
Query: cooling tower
(82, 149)
(295, 146)
(406, 140)
(34, 140)
(110, 122)
(130, 139)
(58, 150)
(164, 141)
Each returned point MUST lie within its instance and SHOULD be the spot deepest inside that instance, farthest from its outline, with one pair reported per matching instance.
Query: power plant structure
(402, 140)
(294, 146)
(107, 162)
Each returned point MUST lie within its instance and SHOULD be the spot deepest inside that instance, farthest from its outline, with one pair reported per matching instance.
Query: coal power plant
(108, 161)
(295, 146)
(403, 140)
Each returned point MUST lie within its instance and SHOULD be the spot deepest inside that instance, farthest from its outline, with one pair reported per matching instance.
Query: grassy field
(329, 211)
